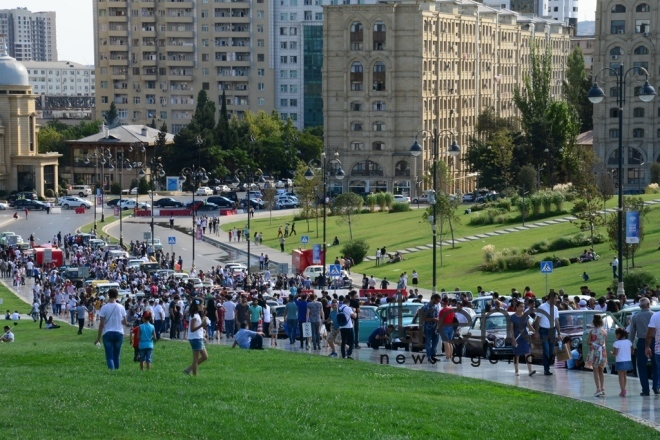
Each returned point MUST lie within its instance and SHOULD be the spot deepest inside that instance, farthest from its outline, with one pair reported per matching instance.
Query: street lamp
(156, 169)
(416, 150)
(196, 175)
(596, 95)
(250, 177)
(338, 173)
(122, 164)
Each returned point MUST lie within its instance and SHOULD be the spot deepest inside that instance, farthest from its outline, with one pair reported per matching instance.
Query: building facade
(397, 70)
(625, 36)
(152, 58)
(30, 36)
(61, 78)
(22, 168)
(586, 44)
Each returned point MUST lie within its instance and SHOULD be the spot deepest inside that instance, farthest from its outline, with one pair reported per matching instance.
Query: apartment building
(153, 57)
(392, 70)
(61, 78)
(30, 36)
(586, 44)
(626, 35)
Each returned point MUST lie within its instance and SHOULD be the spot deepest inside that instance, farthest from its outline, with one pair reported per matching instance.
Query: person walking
(80, 312)
(597, 357)
(230, 308)
(112, 319)
(282, 244)
(346, 329)
(520, 327)
(146, 338)
(256, 315)
(546, 325)
(302, 318)
(315, 317)
(653, 334)
(355, 305)
(198, 323)
(429, 316)
(639, 325)
(615, 267)
(623, 355)
(291, 316)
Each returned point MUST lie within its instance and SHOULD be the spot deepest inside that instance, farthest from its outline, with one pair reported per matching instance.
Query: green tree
(308, 191)
(270, 201)
(528, 178)
(630, 203)
(590, 198)
(576, 86)
(143, 186)
(346, 206)
(446, 204)
(112, 116)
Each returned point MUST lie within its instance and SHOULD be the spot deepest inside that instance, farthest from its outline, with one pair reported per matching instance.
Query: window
(357, 146)
(643, 7)
(293, 103)
(641, 50)
(378, 146)
(614, 92)
(379, 35)
(293, 74)
(378, 106)
(615, 52)
(283, 44)
(293, 88)
(642, 26)
(638, 112)
(283, 59)
(104, 99)
(283, 31)
(260, 43)
(261, 57)
(261, 72)
(379, 76)
(615, 68)
(618, 9)
(284, 88)
(205, 57)
(293, 116)
(356, 106)
(357, 35)
(308, 15)
(614, 113)
(260, 29)
(357, 77)
(284, 16)
(318, 16)
(293, 45)
(618, 26)
(293, 31)
(283, 73)
(136, 100)
(638, 133)
(657, 133)
(379, 126)
(163, 115)
(261, 101)
(261, 86)
(641, 65)
(614, 132)
(260, 14)
(356, 126)
(205, 28)
(284, 102)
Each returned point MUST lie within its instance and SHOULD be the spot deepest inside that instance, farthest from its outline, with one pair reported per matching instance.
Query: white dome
(12, 73)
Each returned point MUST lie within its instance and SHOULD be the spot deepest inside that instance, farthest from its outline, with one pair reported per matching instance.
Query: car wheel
(65, 206)
(464, 350)
(81, 194)
(489, 352)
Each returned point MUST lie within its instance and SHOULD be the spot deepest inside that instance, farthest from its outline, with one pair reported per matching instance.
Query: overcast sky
(75, 32)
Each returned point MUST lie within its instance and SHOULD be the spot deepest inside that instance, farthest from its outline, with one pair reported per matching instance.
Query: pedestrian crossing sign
(304, 239)
(335, 270)
(546, 267)
(171, 240)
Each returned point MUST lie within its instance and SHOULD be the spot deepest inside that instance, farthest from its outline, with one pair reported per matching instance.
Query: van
(102, 288)
(79, 190)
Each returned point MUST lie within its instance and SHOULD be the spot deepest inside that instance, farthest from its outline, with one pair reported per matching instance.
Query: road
(44, 226)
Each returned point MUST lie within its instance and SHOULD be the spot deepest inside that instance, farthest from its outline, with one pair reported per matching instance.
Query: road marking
(184, 249)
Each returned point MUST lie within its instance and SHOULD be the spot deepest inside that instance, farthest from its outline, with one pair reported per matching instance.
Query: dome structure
(12, 73)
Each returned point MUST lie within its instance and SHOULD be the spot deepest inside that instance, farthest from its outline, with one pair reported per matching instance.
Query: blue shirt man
(248, 339)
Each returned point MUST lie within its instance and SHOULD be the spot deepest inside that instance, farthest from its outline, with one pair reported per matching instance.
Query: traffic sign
(147, 235)
(335, 270)
(304, 239)
(546, 267)
(171, 240)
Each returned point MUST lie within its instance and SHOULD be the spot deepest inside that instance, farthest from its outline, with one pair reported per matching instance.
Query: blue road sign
(335, 270)
(546, 267)
(304, 239)
(171, 240)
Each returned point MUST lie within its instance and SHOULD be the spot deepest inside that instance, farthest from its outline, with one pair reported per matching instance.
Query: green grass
(460, 266)
(89, 227)
(271, 394)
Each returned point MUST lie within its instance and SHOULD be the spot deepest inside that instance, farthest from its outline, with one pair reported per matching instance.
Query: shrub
(535, 201)
(504, 204)
(143, 186)
(653, 188)
(371, 201)
(41, 198)
(380, 200)
(558, 200)
(389, 199)
(115, 188)
(356, 249)
(49, 193)
(400, 207)
(488, 217)
(580, 239)
(365, 211)
(508, 259)
(546, 200)
(634, 280)
(565, 261)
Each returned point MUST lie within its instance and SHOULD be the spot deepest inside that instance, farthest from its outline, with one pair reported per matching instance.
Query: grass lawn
(460, 266)
(242, 394)
(89, 227)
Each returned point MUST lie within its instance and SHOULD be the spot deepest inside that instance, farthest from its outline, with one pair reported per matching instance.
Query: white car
(222, 188)
(70, 202)
(127, 204)
(422, 198)
(204, 191)
(134, 192)
(401, 198)
(3, 206)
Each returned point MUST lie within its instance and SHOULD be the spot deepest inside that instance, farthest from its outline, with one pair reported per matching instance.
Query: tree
(345, 206)
(269, 200)
(630, 203)
(445, 204)
(112, 116)
(308, 191)
(528, 178)
(589, 194)
(576, 86)
(655, 172)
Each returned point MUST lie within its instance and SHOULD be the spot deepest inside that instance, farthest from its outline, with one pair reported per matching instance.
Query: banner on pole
(632, 227)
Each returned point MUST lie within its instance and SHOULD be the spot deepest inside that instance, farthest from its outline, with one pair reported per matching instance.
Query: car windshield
(496, 322)
(408, 311)
(573, 320)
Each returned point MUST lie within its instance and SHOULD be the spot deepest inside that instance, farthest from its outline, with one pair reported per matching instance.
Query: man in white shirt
(159, 318)
(653, 334)
(230, 317)
(15, 316)
(546, 324)
(8, 336)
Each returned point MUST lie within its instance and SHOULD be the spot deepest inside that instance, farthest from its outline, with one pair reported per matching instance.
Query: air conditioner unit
(615, 57)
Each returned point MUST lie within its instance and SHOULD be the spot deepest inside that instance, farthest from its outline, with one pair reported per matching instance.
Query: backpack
(342, 320)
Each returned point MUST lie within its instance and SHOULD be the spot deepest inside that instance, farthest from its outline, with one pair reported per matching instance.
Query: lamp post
(122, 164)
(596, 95)
(155, 168)
(250, 177)
(196, 175)
(339, 174)
(416, 150)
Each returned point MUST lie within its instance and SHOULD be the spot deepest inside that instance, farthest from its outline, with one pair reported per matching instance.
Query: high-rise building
(30, 36)
(565, 11)
(392, 70)
(625, 35)
(152, 58)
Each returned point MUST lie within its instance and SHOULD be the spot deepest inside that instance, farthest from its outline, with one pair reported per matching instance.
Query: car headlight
(575, 342)
(499, 342)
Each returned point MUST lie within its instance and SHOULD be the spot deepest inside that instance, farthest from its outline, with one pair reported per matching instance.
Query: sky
(75, 30)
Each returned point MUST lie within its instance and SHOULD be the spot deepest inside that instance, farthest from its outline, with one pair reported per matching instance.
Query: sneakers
(333, 354)
(186, 372)
(599, 393)
(349, 357)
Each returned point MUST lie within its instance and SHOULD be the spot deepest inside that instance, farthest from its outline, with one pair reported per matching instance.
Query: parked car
(11, 198)
(79, 190)
(204, 191)
(254, 203)
(231, 195)
(208, 207)
(578, 323)
(488, 338)
(113, 203)
(222, 202)
(422, 198)
(70, 202)
(369, 321)
(287, 203)
(127, 204)
(4, 206)
(220, 189)
(467, 198)
(168, 202)
(401, 198)
(33, 205)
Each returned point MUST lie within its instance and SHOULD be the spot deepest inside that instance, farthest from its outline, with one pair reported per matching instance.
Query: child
(147, 336)
(623, 352)
(135, 341)
(273, 331)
